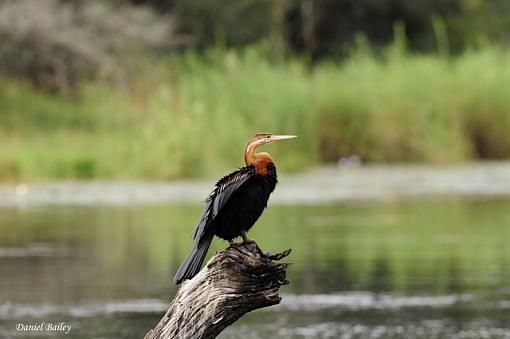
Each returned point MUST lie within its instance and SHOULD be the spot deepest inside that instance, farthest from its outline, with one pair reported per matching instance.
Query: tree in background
(55, 44)
(329, 27)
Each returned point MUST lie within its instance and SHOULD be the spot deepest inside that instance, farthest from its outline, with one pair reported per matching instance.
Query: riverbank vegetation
(188, 113)
(191, 115)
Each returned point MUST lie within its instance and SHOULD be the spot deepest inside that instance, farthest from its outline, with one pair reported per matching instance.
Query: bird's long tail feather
(191, 266)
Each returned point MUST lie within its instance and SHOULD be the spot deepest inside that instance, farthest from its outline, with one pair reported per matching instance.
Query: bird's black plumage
(235, 204)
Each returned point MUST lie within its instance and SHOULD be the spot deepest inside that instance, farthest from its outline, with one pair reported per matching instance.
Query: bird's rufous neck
(257, 160)
(249, 154)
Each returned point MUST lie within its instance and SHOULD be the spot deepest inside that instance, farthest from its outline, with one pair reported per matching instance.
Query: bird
(235, 204)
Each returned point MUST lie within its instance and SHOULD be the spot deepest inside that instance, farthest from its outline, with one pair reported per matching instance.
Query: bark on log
(234, 282)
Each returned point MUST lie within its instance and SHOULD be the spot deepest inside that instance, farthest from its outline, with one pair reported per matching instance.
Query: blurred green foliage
(325, 28)
(59, 45)
(190, 115)
(73, 106)
(234, 22)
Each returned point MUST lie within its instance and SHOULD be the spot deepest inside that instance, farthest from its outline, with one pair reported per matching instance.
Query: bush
(59, 44)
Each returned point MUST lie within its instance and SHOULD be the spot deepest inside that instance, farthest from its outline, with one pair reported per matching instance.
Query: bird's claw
(277, 256)
(268, 255)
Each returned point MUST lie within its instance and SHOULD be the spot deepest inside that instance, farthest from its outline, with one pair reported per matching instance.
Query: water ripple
(368, 300)
(9, 310)
(293, 302)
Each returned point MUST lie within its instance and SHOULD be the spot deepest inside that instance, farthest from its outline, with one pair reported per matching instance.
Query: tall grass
(190, 115)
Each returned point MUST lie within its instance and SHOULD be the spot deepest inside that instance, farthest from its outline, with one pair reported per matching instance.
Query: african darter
(235, 204)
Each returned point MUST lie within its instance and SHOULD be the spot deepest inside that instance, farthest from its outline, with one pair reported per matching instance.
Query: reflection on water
(422, 268)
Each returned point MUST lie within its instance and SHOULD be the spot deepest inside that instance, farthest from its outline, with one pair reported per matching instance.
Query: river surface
(426, 267)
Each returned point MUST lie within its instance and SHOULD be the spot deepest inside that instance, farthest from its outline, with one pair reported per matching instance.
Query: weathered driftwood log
(234, 282)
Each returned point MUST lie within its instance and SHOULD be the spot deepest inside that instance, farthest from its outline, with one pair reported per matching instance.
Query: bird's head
(261, 139)
(265, 138)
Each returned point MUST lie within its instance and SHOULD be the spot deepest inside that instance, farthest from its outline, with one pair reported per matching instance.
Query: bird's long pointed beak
(282, 137)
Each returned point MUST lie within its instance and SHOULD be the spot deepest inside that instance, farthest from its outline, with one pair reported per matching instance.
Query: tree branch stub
(234, 282)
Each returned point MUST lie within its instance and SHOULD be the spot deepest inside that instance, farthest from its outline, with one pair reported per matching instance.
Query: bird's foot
(267, 255)
(276, 256)
(272, 256)
(244, 242)
(247, 240)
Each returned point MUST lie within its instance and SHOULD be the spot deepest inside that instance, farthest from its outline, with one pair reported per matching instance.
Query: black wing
(219, 197)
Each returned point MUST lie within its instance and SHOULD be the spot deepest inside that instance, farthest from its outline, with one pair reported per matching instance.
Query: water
(421, 268)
